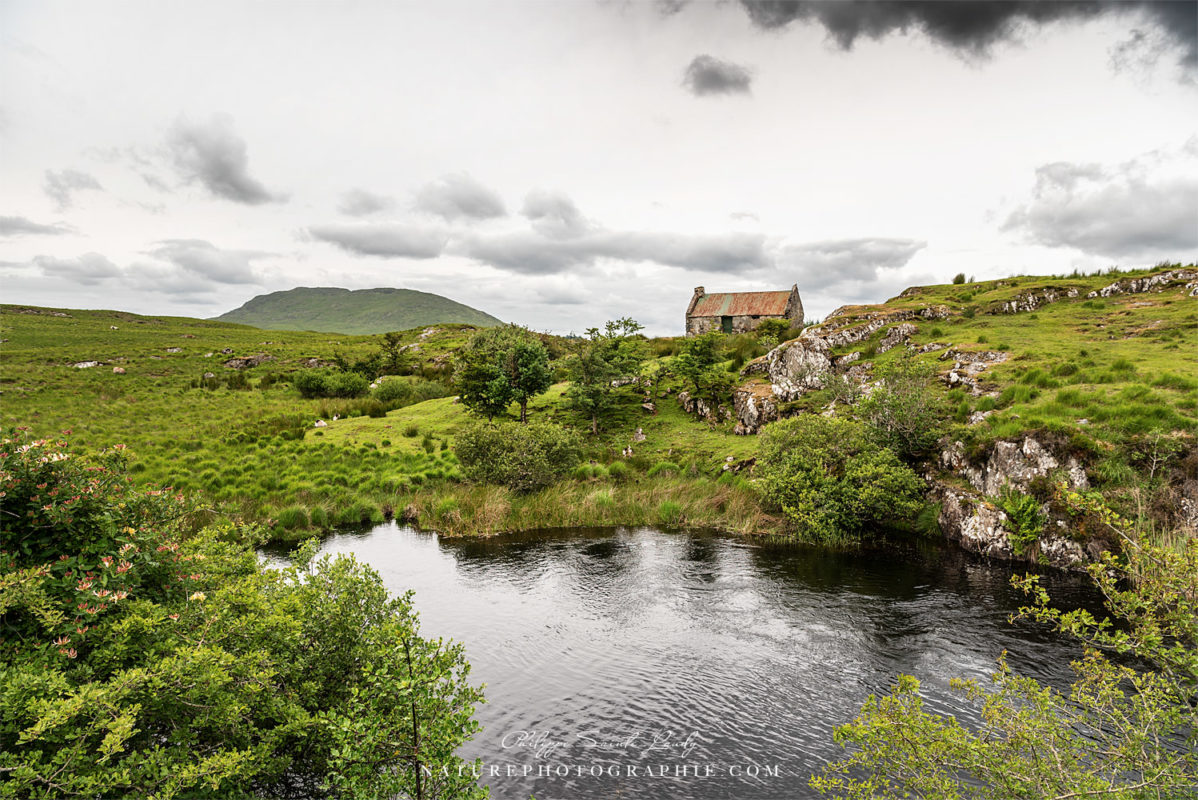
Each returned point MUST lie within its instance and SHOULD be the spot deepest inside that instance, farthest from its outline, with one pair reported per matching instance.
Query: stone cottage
(738, 312)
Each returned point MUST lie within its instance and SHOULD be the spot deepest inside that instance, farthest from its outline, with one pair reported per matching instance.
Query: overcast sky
(558, 164)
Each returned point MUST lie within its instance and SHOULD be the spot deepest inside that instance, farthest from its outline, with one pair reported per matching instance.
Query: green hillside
(363, 311)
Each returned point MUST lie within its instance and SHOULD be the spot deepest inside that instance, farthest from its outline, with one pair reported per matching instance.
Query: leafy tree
(602, 358)
(772, 331)
(832, 478)
(501, 366)
(142, 659)
(699, 364)
(959, 278)
(1127, 728)
(393, 358)
(905, 407)
(522, 457)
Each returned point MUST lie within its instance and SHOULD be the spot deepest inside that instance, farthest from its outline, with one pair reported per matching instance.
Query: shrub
(327, 383)
(196, 670)
(959, 278)
(522, 457)
(905, 408)
(411, 431)
(832, 478)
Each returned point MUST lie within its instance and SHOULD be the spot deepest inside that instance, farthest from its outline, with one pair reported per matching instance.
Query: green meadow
(1104, 375)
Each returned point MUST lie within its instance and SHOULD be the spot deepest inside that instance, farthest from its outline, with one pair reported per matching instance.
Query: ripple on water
(637, 647)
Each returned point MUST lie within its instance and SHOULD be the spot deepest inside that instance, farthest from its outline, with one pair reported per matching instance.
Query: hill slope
(356, 312)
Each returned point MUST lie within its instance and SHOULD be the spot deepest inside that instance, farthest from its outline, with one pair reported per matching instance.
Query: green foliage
(833, 479)
(905, 408)
(501, 366)
(772, 331)
(521, 457)
(663, 468)
(1025, 520)
(1127, 728)
(959, 278)
(600, 359)
(141, 659)
(329, 383)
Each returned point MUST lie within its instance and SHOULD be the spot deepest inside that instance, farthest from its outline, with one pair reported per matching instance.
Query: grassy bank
(1107, 376)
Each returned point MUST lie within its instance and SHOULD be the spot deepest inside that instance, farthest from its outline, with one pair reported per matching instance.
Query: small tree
(699, 363)
(599, 360)
(501, 366)
(394, 361)
(959, 278)
(521, 457)
(905, 407)
(1127, 728)
(771, 331)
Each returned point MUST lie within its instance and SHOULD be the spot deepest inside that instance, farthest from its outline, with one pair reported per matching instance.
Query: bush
(905, 408)
(522, 457)
(833, 479)
(143, 658)
(959, 278)
(326, 383)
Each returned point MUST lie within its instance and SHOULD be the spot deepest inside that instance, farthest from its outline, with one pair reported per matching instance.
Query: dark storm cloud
(20, 226)
(59, 186)
(207, 261)
(554, 214)
(381, 239)
(822, 264)
(460, 197)
(360, 203)
(970, 26)
(88, 269)
(1142, 209)
(535, 254)
(212, 153)
(709, 75)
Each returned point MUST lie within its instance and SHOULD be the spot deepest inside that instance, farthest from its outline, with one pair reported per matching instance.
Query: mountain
(355, 312)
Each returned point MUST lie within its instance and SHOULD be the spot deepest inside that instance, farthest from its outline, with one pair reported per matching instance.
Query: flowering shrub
(139, 660)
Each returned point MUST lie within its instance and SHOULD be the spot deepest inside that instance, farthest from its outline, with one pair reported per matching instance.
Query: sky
(559, 164)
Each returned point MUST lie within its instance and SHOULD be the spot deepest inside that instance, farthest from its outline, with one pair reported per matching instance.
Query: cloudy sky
(561, 163)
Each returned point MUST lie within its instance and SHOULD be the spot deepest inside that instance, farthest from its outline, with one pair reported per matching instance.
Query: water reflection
(605, 650)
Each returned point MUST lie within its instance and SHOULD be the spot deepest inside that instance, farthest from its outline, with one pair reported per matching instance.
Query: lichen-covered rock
(975, 524)
(798, 366)
(1013, 464)
(755, 406)
(1030, 301)
(1061, 552)
(899, 334)
(1147, 284)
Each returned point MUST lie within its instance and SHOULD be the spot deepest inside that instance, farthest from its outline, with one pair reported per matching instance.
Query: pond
(644, 663)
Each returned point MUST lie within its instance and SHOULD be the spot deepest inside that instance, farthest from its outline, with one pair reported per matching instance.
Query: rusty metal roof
(739, 304)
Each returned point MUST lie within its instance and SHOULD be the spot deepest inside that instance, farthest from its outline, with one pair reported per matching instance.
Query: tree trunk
(594, 424)
(415, 725)
(524, 411)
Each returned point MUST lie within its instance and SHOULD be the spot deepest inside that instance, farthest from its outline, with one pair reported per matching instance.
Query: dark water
(717, 665)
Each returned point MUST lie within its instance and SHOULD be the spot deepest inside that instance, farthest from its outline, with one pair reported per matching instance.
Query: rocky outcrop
(1030, 301)
(755, 405)
(971, 517)
(899, 334)
(701, 408)
(1150, 283)
(1013, 464)
(798, 366)
(246, 362)
(968, 365)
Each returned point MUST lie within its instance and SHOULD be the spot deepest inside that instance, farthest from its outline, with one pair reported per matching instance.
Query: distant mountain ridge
(360, 311)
